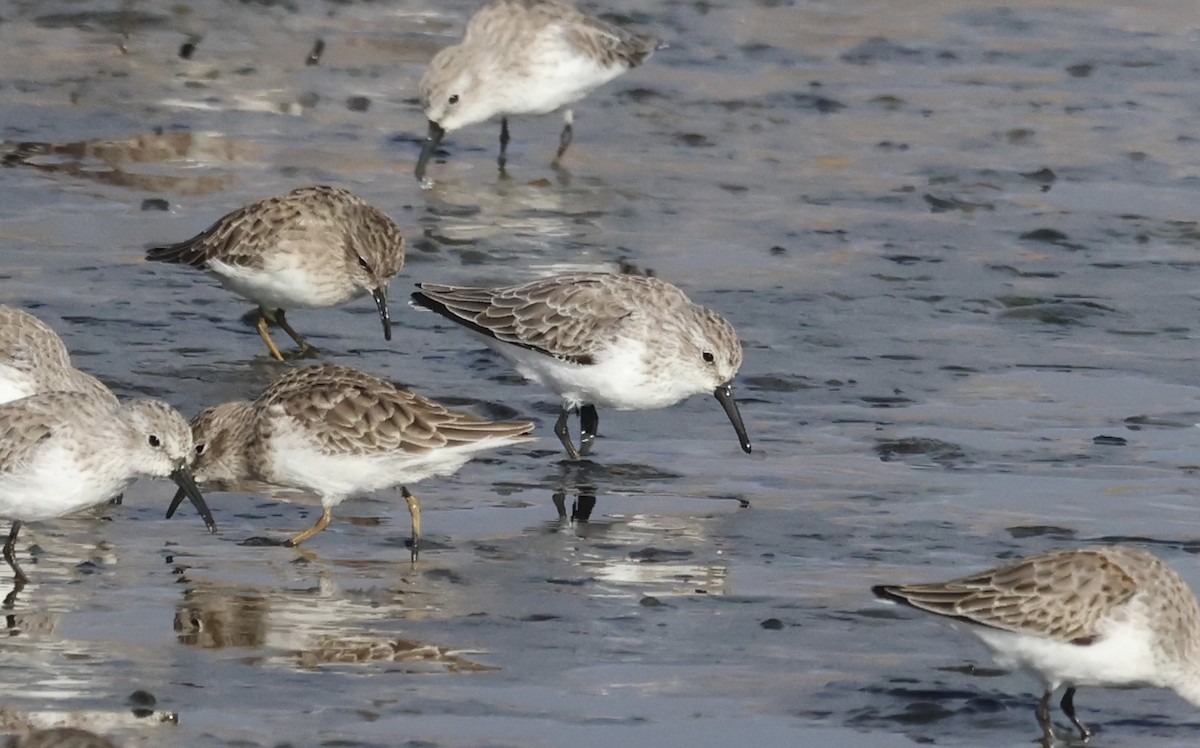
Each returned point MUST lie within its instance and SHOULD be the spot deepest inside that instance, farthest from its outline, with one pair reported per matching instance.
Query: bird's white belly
(53, 484)
(561, 76)
(618, 379)
(284, 286)
(296, 462)
(1123, 656)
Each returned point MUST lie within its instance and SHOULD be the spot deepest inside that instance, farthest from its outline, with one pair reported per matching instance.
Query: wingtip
(890, 593)
(419, 300)
(175, 254)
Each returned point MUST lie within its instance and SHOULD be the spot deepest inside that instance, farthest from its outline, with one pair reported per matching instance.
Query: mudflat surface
(958, 241)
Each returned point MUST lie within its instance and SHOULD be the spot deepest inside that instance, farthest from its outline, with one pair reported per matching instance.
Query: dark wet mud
(960, 245)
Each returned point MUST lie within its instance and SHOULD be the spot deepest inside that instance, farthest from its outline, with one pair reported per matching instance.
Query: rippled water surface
(958, 241)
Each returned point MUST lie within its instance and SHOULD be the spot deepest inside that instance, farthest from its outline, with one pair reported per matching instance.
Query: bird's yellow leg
(414, 510)
(266, 336)
(322, 523)
(281, 320)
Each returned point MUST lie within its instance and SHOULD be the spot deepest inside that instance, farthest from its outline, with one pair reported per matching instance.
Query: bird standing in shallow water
(621, 341)
(1106, 616)
(332, 431)
(311, 248)
(522, 57)
(64, 451)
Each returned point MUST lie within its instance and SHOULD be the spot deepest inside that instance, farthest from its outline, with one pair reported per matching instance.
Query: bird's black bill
(724, 395)
(380, 296)
(175, 502)
(432, 139)
(188, 488)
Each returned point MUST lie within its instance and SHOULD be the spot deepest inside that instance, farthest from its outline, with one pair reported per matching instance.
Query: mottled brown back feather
(349, 411)
(27, 422)
(611, 44)
(1061, 595)
(242, 236)
(584, 311)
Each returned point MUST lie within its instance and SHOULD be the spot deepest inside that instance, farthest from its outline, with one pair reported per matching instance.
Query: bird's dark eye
(454, 99)
(708, 357)
(364, 264)
(200, 449)
(154, 441)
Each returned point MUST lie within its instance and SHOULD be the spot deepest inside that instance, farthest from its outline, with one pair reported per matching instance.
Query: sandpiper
(311, 248)
(333, 431)
(64, 451)
(524, 57)
(1105, 616)
(621, 341)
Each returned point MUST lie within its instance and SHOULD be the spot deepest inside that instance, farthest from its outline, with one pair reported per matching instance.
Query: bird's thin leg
(266, 335)
(414, 510)
(564, 436)
(589, 423)
(503, 143)
(9, 548)
(564, 140)
(282, 320)
(1043, 717)
(1068, 707)
(322, 523)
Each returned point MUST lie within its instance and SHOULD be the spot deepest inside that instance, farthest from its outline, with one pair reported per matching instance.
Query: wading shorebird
(619, 341)
(312, 248)
(522, 57)
(1109, 616)
(332, 431)
(64, 451)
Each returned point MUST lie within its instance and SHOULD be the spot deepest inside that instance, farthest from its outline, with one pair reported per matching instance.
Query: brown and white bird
(314, 247)
(1109, 616)
(332, 431)
(521, 57)
(64, 451)
(628, 342)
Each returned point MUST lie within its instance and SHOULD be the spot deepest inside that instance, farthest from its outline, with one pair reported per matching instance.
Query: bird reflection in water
(581, 506)
(310, 628)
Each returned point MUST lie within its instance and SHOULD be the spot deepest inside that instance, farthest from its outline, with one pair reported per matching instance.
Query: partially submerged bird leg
(414, 510)
(1068, 707)
(1043, 718)
(322, 523)
(564, 140)
(266, 335)
(502, 160)
(283, 323)
(9, 548)
(564, 436)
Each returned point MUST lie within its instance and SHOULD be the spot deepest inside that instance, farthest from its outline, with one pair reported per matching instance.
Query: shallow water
(958, 241)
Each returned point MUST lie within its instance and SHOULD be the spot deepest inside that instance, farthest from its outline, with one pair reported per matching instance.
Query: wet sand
(958, 242)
